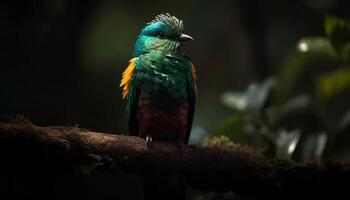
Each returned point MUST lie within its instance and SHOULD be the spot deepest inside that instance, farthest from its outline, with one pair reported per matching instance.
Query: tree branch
(239, 169)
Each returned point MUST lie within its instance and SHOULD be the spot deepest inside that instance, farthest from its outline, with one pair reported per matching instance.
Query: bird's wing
(192, 91)
(126, 78)
(130, 92)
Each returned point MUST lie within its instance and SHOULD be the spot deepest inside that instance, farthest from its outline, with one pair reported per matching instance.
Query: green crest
(176, 24)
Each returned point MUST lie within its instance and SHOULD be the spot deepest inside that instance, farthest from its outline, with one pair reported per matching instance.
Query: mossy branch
(235, 168)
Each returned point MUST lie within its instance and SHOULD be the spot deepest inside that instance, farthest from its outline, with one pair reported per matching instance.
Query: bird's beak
(184, 37)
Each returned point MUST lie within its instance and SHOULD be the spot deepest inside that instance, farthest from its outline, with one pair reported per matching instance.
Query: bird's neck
(145, 44)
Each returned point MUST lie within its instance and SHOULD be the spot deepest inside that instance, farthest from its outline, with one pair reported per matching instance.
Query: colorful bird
(160, 83)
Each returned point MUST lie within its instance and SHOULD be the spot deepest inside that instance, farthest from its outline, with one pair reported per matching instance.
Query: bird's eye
(160, 34)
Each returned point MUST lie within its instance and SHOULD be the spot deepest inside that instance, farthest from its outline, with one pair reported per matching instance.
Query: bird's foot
(149, 142)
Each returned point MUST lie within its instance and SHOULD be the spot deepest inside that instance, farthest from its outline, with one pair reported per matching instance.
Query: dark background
(61, 60)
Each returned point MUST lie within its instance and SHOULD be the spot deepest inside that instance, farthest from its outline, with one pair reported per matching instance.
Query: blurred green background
(61, 63)
(273, 75)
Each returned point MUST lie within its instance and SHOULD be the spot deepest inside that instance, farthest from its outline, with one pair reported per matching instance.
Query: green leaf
(331, 84)
(338, 31)
(298, 73)
(331, 24)
(313, 146)
(300, 102)
(298, 114)
(252, 100)
(286, 143)
(314, 55)
(235, 100)
(316, 45)
(344, 124)
(257, 94)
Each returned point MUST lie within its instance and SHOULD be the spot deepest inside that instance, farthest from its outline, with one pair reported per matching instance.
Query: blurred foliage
(303, 113)
(331, 84)
(338, 32)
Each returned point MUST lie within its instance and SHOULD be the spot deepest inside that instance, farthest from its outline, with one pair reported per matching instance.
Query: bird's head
(164, 33)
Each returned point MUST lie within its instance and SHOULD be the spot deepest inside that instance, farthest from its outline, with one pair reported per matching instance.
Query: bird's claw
(149, 142)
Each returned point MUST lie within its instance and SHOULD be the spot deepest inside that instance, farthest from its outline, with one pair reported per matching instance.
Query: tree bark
(240, 169)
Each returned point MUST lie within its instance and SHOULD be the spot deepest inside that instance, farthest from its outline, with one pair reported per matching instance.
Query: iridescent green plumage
(162, 86)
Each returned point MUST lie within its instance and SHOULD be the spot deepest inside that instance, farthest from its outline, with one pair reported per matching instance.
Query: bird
(159, 83)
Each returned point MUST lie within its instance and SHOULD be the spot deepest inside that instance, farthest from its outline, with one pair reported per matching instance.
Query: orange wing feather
(126, 78)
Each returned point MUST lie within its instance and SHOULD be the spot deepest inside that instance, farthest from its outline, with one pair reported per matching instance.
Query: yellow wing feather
(126, 78)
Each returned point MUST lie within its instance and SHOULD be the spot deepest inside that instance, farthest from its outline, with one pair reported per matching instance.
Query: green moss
(221, 142)
(224, 143)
